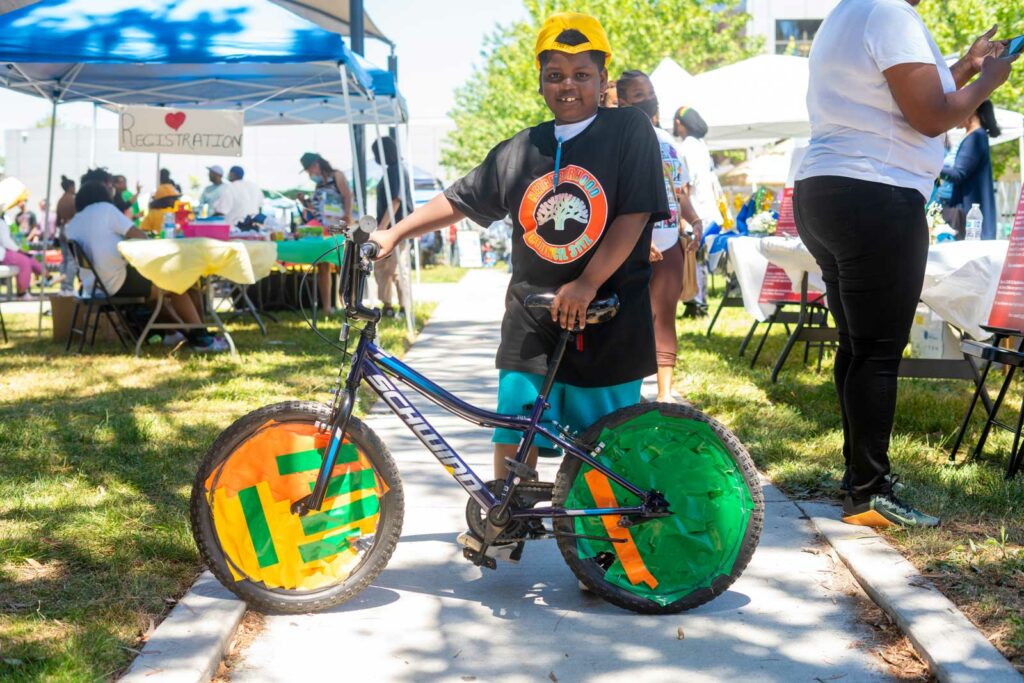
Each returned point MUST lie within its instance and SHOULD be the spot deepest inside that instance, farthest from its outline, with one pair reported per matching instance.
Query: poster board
(777, 286)
(162, 130)
(1008, 307)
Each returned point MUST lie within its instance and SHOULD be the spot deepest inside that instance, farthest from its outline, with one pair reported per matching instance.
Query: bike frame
(378, 368)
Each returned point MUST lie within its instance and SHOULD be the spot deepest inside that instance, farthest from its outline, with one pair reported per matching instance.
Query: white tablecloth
(959, 283)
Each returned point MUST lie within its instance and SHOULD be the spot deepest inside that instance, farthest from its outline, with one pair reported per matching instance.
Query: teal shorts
(572, 406)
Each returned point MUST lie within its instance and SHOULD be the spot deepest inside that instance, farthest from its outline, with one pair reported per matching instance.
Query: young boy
(590, 235)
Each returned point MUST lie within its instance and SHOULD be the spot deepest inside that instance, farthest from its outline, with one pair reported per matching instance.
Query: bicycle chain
(527, 493)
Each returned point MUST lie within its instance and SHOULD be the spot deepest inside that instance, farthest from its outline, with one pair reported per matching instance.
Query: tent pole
(357, 36)
(356, 177)
(92, 138)
(46, 220)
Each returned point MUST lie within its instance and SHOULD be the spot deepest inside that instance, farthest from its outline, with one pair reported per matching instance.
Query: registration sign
(209, 132)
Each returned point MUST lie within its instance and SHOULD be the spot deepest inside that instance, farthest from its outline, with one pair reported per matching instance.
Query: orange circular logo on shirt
(562, 224)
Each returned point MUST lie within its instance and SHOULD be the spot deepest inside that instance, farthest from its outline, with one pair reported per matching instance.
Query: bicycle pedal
(479, 560)
(508, 552)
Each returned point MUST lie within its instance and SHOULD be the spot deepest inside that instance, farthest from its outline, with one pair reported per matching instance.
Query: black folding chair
(98, 302)
(1012, 359)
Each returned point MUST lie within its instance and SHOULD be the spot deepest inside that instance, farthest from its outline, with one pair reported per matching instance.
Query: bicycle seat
(599, 310)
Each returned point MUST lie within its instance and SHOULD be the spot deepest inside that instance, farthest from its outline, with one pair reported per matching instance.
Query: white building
(787, 26)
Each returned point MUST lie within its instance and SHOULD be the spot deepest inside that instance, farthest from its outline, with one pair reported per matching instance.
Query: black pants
(871, 242)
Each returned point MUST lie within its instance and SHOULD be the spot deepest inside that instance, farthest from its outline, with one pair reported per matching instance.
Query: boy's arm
(437, 213)
(572, 298)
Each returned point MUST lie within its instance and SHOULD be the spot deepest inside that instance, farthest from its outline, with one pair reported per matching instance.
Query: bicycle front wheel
(667, 564)
(246, 532)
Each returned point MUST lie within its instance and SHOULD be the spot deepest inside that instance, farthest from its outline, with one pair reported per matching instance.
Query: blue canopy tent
(259, 56)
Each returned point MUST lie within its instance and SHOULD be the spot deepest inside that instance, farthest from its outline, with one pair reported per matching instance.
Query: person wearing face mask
(332, 190)
(668, 255)
(880, 97)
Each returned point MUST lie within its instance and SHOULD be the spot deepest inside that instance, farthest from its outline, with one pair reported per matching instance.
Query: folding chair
(1012, 359)
(732, 298)
(98, 301)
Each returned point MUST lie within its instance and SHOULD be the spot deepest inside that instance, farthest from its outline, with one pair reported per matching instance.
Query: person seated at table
(214, 190)
(99, 227)
(161, 203)
(240, 199)
(11, 255)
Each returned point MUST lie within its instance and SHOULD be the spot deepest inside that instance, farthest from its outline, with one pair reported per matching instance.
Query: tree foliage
(501, 97)
(955, 24)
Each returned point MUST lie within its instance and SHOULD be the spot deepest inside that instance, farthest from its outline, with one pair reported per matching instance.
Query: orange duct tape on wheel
(626, 550)
(251, 494)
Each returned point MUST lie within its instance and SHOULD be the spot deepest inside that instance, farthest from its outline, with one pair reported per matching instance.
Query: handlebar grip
(369, 250)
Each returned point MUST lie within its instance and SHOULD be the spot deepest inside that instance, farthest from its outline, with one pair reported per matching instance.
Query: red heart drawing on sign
(175, 120)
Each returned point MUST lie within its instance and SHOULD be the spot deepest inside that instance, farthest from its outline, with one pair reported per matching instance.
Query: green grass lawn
(441, 273)
(792, 430)
(97, 456)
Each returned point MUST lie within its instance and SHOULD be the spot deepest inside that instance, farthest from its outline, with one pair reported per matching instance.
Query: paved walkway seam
(954, 649)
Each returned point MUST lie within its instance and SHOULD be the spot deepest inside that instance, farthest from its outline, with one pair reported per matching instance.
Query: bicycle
(298, 506)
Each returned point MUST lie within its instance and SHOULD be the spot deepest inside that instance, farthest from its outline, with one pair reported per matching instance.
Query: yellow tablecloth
(175, 265)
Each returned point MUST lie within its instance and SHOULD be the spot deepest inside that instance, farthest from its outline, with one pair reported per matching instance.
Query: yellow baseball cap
(590, 27)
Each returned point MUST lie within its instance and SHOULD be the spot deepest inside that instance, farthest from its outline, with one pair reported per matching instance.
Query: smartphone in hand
(1014, 47)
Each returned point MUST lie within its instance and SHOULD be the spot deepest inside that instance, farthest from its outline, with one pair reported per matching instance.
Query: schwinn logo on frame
(424, 431)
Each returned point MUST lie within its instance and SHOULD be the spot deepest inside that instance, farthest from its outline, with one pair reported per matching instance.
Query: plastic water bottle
(168, 226)
(974, 220)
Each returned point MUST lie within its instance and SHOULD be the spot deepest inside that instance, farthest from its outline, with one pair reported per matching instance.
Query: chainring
(527, 494)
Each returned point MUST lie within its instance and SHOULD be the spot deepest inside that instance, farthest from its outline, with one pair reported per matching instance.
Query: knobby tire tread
(585, 570)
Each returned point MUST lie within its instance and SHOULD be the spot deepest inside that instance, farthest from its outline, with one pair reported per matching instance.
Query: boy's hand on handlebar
(570, 304)
(384, 241)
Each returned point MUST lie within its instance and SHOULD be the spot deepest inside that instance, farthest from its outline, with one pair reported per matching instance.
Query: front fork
(315, 500)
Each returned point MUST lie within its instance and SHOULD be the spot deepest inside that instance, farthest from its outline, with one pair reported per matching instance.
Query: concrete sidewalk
(432, 616)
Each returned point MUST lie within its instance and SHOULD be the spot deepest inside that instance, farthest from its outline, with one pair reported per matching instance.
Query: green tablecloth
(309, 249)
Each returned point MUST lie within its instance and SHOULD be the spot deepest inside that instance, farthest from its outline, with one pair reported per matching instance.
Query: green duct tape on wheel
(709, 499)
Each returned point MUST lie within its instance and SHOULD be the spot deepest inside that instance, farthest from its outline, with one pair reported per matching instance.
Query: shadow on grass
(97, 457)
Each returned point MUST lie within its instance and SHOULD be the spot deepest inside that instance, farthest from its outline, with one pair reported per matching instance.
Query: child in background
(582, 191)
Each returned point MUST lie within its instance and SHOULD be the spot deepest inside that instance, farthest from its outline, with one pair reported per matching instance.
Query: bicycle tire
(259, 594)
(592, 571)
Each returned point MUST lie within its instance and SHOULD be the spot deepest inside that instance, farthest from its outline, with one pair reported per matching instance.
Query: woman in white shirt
(98, 227)
(880, 98)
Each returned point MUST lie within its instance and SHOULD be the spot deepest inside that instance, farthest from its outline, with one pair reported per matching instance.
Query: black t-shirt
(395, 187)
(610, 169)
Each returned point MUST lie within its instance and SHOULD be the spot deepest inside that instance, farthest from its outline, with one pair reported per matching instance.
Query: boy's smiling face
(572, 85)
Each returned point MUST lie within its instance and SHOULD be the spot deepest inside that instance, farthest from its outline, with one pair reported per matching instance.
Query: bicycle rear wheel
(273, 559)
(673, 563)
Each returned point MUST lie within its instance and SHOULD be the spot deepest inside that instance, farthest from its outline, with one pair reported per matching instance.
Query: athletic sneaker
(883, 510)
(498, 551)
(174, 338)
(208, 344)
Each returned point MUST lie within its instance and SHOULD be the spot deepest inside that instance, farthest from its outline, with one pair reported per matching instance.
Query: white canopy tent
(758, 100)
